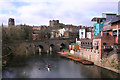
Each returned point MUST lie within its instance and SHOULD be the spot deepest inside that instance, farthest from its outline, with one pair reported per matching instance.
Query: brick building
(116, 28)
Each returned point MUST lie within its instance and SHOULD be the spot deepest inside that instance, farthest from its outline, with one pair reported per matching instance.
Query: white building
(89, 35)
(63, 30)
(85, 32)
(82, 33)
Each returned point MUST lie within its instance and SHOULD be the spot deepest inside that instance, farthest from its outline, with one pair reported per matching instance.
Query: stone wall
(110, 61)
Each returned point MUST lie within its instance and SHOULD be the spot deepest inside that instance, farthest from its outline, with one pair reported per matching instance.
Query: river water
(35, 67)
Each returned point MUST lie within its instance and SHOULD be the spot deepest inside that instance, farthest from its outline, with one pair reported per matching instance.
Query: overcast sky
(39, 12)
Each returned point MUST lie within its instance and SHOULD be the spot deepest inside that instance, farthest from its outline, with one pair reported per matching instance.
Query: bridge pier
(50, 49)
(40, 50)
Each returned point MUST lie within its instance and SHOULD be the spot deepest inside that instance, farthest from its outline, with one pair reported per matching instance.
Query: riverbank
(77, 54)
(83, 61)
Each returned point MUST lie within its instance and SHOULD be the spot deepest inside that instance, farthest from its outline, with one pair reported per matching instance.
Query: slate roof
(116, 19)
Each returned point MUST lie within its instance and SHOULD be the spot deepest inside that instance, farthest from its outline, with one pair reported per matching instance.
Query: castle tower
(53, 23)
(11, 22)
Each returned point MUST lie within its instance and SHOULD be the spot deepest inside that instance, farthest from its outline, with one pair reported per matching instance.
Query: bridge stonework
(56, 44)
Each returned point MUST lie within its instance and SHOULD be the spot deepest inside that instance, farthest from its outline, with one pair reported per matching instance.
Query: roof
(107, 22)
(116, 19)
(96, 19)
(107, 29)
(109, 13)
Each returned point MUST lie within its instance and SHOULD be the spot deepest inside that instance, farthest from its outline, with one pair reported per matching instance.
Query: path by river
(60, 68)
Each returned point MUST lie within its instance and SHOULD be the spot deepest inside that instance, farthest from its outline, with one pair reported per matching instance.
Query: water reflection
(60, 68)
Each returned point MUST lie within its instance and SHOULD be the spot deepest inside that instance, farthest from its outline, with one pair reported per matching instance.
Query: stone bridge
(52, 45)
(33, 47)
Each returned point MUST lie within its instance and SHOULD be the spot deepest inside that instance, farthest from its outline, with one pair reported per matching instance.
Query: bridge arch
(62, 46)
(40, 49)
(52, 46)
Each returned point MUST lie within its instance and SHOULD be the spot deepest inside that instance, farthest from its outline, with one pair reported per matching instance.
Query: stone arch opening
(62, 46)
(41, 46)
(51, 47)
(40, 49)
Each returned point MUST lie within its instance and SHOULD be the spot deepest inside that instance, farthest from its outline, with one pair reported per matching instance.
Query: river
(34, 67)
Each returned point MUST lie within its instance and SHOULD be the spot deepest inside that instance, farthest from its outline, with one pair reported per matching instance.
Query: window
(98, 51)
(104, 44)
(103, 33)
(91, 50)
(94, 51)
(81, 33)
(115, 33)
(91, 43)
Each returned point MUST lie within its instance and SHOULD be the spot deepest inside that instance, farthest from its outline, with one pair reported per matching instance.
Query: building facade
(119, 8)
(85, 32)
(98, 26)
(108, 16)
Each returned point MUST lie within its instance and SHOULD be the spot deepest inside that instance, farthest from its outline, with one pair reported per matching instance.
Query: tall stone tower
(11, 22)
(53, 23)
(119, 7)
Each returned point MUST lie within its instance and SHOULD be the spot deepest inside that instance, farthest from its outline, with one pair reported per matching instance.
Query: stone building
(53, 23)
(11, 22)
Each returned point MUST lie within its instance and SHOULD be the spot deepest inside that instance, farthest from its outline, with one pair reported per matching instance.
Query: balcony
(107, 48)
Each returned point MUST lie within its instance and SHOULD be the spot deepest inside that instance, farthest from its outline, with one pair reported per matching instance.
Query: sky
(39, 12)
